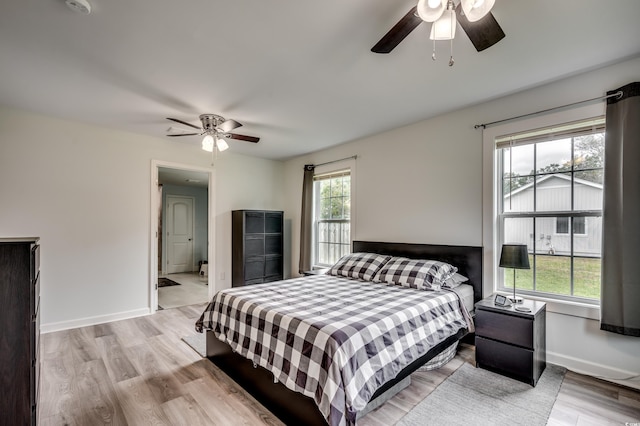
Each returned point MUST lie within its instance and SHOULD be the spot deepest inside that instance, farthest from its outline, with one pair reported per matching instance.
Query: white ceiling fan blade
(178, 130)
(229, 125)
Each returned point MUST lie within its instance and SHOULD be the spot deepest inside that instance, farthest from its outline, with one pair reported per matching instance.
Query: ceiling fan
(216, 129)
(474, 16)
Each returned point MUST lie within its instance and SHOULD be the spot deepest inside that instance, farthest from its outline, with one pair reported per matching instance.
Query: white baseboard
(599, 371)
(83, 322)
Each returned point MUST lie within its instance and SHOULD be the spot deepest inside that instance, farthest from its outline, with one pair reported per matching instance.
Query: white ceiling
(170, 176)
(298, 74)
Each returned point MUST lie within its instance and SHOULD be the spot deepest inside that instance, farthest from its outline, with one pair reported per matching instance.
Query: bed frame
(294, 408)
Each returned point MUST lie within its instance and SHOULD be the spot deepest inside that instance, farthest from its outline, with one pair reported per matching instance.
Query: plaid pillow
(455, 280)
(420, 274)
(362, 266)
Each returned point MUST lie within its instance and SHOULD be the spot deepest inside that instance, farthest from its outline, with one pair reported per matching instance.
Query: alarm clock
(501, 300)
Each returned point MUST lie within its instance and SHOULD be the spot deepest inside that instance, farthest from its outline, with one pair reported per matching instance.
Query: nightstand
(316, 272)
(510, 342)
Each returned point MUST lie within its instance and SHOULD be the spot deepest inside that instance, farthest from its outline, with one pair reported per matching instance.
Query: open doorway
(183, 228)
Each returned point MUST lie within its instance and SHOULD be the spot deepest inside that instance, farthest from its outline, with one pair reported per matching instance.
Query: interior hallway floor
(193, 289)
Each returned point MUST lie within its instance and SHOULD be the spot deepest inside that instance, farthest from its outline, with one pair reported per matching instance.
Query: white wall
(243, 183)
(413, 184)
(85, 191)
(424, 183)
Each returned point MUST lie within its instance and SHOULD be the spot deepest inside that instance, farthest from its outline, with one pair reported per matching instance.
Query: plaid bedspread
(336, 340)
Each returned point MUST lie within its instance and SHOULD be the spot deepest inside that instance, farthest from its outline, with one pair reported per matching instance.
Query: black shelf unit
(20, 322)
(256, 247)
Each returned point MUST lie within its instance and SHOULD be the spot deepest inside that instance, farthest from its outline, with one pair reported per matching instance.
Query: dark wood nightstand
(510, 342)
(316, 272)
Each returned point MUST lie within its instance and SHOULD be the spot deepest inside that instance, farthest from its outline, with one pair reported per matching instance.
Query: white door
(179, 235)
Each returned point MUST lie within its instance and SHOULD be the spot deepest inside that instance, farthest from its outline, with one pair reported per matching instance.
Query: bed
(354, 349)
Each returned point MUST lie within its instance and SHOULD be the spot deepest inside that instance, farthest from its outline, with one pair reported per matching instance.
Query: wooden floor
(140, 372)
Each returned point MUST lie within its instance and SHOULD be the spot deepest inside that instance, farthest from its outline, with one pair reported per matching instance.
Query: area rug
(166, 282)
(473, 396)
(197, 342)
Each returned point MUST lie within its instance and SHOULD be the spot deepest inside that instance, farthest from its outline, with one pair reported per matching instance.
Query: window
(551, 185)
(563, 223)
(332, 217)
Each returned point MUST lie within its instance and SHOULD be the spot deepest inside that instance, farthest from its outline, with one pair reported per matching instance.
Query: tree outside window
(332, 194)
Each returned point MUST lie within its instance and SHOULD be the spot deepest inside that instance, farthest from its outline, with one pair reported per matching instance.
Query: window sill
(565, 307)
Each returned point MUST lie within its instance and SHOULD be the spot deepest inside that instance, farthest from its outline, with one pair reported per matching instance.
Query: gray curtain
(306, 219)
(620, 304)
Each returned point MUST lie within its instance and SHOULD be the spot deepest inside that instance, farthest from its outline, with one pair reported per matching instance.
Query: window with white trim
(551, 186)
(332, 217)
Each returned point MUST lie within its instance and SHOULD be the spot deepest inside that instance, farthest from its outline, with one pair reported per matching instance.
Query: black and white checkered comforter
(336, 340)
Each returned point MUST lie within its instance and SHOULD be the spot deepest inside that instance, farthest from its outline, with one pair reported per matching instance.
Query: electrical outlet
(221, 276)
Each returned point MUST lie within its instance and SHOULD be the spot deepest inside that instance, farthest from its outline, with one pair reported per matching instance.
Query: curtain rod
(335, 161)
(618, 95)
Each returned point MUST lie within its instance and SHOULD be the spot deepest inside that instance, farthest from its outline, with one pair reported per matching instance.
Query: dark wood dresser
(256, 247)
(20, 330)
(510, 342)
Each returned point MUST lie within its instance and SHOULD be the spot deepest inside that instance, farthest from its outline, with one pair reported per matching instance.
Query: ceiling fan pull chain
(215, 146)
(433, 55)
(453, 24)
(451, 61)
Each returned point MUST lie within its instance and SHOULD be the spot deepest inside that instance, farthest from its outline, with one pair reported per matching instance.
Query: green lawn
(553, 275)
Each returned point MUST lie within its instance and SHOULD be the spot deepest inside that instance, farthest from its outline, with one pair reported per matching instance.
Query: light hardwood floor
(140, 372)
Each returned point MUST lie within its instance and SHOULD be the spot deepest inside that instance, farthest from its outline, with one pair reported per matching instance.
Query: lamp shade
(514, 256)
(475, 10)
(445, 27)
(222, 145)
(207, 143)
(429, 10)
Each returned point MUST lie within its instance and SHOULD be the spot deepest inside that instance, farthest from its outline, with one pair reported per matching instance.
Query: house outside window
(332, 217)
(551, 182)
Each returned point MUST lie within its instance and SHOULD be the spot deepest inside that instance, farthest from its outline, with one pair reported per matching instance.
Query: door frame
(165, 246)
(153, 228)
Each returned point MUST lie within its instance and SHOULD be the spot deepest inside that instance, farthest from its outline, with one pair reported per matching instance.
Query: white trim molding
(599, 371)
(153, 238)
(100, 319)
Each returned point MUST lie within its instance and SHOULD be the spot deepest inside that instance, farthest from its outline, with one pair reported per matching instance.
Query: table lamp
(514, 256)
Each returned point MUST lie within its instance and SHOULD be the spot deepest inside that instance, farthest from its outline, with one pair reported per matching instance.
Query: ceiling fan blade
(483, 33)
(402, 29)
(183, 122)
(242, 137)
(229, 125)
(183, 134)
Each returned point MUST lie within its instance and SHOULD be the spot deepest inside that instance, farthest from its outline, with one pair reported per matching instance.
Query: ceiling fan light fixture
(82, 6)
(445, 27)
(431, 10)
(207, 143)
(475, 10)
(222, 145)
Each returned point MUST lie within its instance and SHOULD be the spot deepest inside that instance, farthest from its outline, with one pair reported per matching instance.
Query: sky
(556, 151)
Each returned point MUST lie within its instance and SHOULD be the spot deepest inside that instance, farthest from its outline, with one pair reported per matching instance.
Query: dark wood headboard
(468, 259)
